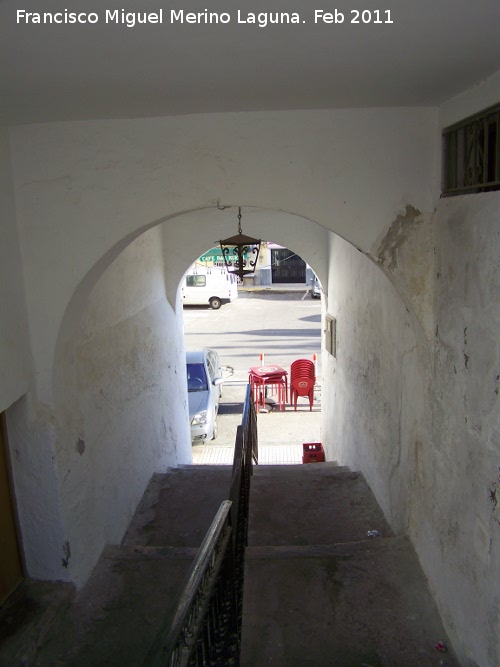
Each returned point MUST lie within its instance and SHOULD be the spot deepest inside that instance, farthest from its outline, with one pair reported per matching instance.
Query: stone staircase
(114, 619)
(318, 591)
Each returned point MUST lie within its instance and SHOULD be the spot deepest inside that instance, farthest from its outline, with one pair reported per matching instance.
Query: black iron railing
(246, 450)
(471, 154)
(249, 424)
(206, 626)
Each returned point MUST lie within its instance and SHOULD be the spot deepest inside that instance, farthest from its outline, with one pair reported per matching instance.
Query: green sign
(215, 255)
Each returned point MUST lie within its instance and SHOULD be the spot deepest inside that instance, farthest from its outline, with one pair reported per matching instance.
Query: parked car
(315, 288)
(204, 380)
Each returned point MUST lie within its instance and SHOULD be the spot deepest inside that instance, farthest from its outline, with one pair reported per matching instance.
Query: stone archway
(117, 369)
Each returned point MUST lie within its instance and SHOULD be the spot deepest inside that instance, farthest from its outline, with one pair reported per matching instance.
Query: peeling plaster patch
(495, 500)
(494, 440)
(80, 446)
(482, 540)
(493, 495)
(67, 554)
(396, 236)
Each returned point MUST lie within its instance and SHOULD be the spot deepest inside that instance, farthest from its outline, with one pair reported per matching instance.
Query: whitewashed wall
(484, 94)
(83, 187)
(376, 411)
(419, 415)
(119, 416)
(462, 507)
(115, 402)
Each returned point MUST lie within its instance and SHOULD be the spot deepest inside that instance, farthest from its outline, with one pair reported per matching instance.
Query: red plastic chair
(302, 381)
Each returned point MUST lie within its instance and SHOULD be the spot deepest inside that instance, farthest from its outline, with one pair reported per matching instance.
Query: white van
(208, 286)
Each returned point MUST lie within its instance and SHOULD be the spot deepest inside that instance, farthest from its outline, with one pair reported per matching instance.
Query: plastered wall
(83, 187)
(375, 387)
(114, 419)
(419, 414)
(464, 505)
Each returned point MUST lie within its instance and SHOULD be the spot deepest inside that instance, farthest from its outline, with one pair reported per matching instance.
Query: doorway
(287, 267)
(11, 573)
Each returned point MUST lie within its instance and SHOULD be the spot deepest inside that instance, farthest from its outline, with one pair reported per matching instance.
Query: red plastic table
(268, 376)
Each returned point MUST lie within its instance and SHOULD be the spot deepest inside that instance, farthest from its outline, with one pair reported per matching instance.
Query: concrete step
(201, 469)
(345, 605)
(319, 591)
(27, 617)
(179, 506)
(133, 590)
(323, 468)
(312, 504)
(115, 618)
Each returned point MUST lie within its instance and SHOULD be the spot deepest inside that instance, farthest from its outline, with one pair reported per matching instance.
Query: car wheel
(216, 428)
(215, 303)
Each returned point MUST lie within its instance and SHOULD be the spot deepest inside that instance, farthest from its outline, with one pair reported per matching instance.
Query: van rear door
(210, 286)
(194, 290)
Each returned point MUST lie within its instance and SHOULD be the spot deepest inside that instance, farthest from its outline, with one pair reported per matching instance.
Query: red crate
(313, 452)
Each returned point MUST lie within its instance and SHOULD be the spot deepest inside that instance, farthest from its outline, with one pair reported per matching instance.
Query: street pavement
(281, 433)
(283, 325)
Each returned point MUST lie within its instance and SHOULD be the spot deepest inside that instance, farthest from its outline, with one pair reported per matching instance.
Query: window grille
(471, 154)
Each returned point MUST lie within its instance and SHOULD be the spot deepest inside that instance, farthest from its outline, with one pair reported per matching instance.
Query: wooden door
(10, 559)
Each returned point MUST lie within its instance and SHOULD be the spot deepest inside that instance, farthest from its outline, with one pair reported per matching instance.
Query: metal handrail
(206, 626)
(245, 450)
(249, 423)
(184, 643)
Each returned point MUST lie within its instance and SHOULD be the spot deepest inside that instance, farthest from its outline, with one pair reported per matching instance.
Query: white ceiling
(433, 50)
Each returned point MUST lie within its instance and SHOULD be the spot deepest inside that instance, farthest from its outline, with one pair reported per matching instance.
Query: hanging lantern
(240, 252)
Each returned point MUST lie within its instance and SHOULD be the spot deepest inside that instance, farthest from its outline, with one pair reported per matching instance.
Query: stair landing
(318, 591)
(114, 619)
